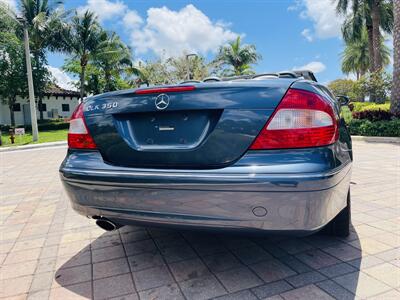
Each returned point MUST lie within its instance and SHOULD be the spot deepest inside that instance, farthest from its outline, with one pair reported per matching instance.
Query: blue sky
(287, 33)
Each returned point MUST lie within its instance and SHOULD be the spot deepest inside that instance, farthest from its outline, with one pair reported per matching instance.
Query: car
(266, 153)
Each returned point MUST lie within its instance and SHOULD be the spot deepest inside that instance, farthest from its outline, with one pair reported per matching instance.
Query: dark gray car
(268, 153)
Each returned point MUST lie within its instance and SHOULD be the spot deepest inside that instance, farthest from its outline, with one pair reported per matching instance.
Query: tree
(377, 83)
(94, 77)
(83, 40)
(12, 64)
(237, 57)
(44, 20)
(182, 65)
(105, 66)
(113, 58)
(343, 87)
(356, 58)
(395, 96)
(151, 73)
(374, 16)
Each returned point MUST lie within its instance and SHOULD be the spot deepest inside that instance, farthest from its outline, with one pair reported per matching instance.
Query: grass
(44, 137)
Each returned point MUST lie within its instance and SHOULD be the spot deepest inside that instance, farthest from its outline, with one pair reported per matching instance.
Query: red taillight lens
(159, 90)
(78, 134)
(302, 119)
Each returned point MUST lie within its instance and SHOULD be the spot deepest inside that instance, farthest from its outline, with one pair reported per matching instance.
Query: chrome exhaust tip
(107, 225)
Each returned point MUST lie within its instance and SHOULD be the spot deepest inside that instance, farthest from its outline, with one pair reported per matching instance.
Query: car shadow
(159, 263)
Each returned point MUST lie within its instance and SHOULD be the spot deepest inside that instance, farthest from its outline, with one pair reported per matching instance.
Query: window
(16, 107)
(65, 107)
(43, 107)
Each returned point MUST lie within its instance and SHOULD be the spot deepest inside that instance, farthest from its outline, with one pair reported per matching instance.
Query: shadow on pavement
(164, 264)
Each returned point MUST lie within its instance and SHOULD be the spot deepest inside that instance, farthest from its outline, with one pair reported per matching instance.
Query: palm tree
(355, 57)
(44, 21)
(113, 57)
(375, 16)
(354, 26)
(150, 73)
(395, 96)
(83, 39)
(238, 56)
(182, 65)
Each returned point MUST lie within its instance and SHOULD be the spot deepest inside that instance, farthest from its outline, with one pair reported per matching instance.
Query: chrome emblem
(162, 101)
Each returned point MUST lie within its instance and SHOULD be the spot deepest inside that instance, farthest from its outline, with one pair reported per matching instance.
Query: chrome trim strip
(192, 174)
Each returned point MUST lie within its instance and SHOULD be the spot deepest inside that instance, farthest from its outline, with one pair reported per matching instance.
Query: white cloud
(12, 4)
(132, 20)
(307, 34)
(326, 23)
(172, 32)
(295, 6)
(61, 78)
(314, 66)
(105, 9)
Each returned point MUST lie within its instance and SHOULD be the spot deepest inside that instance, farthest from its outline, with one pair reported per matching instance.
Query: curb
(376, 139)
(33, 146)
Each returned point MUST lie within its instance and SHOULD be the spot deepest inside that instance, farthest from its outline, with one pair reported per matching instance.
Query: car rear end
(269, 155)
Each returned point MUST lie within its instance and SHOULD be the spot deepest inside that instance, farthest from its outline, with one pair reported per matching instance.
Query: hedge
(362, 106)
(374, 115)
(377, 128)
(45, 125)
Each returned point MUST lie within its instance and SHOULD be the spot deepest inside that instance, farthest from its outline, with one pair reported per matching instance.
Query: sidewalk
(376, 139)
(33, 146)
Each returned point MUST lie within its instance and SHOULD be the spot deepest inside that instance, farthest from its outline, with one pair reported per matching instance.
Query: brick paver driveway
(49, 251)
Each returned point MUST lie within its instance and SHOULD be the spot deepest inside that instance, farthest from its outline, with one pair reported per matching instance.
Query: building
(57, 103)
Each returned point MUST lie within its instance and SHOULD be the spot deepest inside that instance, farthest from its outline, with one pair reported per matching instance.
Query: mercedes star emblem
(162, 101)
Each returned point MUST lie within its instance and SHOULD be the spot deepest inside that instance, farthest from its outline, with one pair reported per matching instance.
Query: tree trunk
(395, 97)
(376, 36)
(82, 80)
(107, 77)
(12, 115)
(40, 101)
(370, 48)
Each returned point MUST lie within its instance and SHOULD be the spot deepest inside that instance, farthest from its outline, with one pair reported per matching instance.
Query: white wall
(51, 103)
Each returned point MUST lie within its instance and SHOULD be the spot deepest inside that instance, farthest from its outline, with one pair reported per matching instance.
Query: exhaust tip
(107, 225)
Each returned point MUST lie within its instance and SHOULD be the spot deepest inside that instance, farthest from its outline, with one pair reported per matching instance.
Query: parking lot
(48, 251)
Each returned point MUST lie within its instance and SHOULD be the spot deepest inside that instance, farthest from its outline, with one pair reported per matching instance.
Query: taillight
(78, 134)
(172, 89)
(302, 119)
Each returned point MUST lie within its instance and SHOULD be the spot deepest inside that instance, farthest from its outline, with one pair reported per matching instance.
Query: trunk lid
(209, 127)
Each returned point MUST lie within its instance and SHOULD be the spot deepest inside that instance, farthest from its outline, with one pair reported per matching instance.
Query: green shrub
(43, 125)
(378, 128)
(361, 106)
(374, 115)
(52, 126)
(346, 114)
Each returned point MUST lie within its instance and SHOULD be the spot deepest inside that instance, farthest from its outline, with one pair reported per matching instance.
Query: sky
(289, 34)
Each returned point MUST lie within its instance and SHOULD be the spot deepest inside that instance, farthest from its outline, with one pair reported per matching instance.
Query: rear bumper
(245, 197)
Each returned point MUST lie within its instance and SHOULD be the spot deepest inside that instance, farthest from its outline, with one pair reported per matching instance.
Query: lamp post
(188, 64)
(35, 131)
